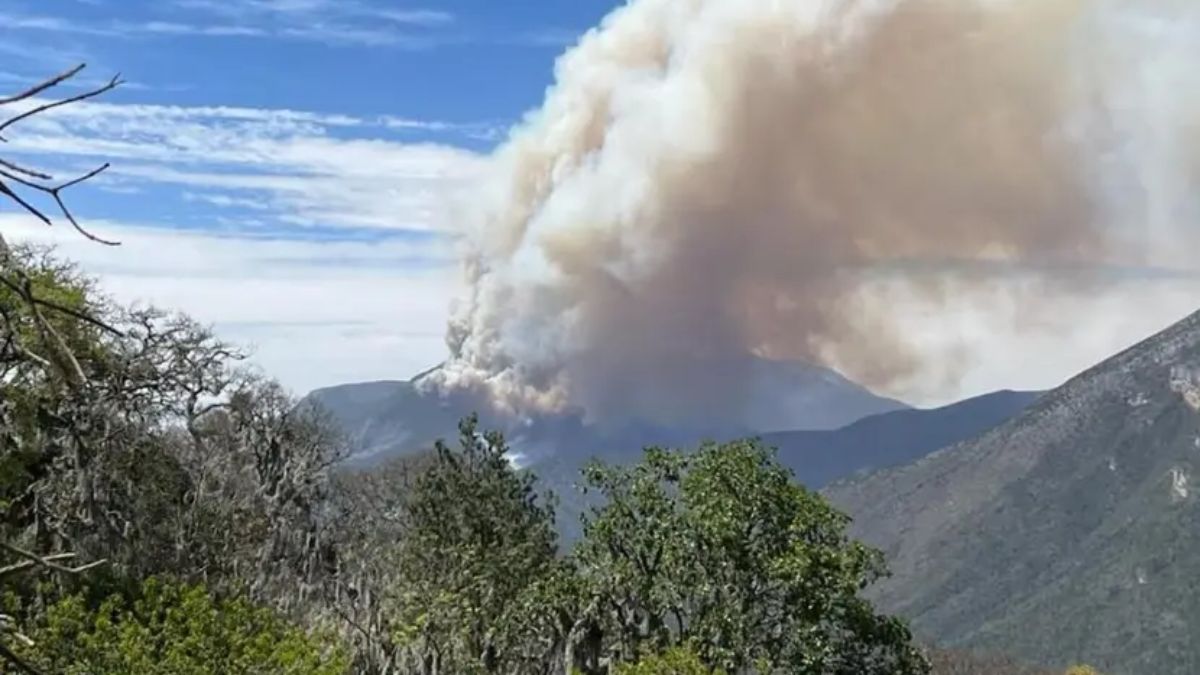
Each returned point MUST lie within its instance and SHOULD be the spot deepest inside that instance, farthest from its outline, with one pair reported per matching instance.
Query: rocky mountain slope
(388, 418)
(1070, 533)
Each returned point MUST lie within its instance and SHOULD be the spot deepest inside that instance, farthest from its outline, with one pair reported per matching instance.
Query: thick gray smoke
(711, 180)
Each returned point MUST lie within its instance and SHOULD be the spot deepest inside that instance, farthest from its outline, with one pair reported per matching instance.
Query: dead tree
(42, 348)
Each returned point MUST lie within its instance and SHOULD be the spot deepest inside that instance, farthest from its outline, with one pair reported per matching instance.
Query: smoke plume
(710, 181)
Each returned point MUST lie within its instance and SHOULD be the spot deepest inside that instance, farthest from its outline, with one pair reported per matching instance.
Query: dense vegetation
(229, 543)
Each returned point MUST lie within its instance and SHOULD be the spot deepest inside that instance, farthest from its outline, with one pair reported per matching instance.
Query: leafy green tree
(167, 629)
(675, 661)
(724, 551)
(475, 536)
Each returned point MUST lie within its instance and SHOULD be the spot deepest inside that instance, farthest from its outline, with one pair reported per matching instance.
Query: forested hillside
(167, 510)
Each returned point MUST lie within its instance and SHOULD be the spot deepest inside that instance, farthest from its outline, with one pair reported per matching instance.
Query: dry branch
(15, 176)
(49, 562)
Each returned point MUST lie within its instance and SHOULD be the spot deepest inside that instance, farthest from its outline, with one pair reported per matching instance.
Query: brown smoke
(715, 179)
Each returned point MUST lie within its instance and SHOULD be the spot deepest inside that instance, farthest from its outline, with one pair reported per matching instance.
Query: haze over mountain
(1069, 533)
(390, 418)
(385, 420)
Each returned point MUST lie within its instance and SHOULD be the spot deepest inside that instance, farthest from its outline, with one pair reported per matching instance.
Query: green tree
(675, 661)
(724, 551)
(475, 536)
(167, 629)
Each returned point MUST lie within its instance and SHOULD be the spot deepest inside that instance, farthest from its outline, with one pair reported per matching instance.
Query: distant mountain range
(1070, 533)
(387, 419)
(1059, 528)
(891, 439)
(393, 419)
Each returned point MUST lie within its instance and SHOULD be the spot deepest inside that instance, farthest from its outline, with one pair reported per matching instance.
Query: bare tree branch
(13, 166)
(14, 174)
(32, 561)
(43, 86)
(50, 562)
(115, 82)
(16, 568)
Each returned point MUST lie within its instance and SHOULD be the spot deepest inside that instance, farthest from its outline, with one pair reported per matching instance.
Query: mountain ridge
(893, 438)
(1065, 533)
(387, 418)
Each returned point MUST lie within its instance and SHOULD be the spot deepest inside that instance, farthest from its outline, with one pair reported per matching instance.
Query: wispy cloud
(545, 37)
(334, 23)
(18, 79)
(301, 168)
(346, 305)
(307, 9)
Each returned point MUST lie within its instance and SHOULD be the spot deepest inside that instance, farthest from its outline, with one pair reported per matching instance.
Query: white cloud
(23, 81)
(292, 163)
(350, 305)
(307, 9)
(546, 37)
(316, 313)
(328, 21)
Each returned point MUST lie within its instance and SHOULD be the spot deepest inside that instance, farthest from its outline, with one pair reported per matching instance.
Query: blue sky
(285, 170)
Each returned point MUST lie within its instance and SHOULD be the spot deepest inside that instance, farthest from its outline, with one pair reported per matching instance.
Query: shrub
(171, 629)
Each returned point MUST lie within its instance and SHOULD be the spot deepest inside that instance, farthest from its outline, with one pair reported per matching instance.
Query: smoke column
(710, 180)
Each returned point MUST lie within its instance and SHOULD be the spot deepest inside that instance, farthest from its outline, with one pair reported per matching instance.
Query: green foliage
(28, 392)
(176, 630)
(476, 536)
(675, 661)
(723, 550)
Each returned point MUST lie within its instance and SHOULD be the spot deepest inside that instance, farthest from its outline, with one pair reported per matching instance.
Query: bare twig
(6, 191)
(50, 562)
(13, 174)
(43, 86)
(55, 192)
(13, 166)
(16, 568)
(115, 82)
